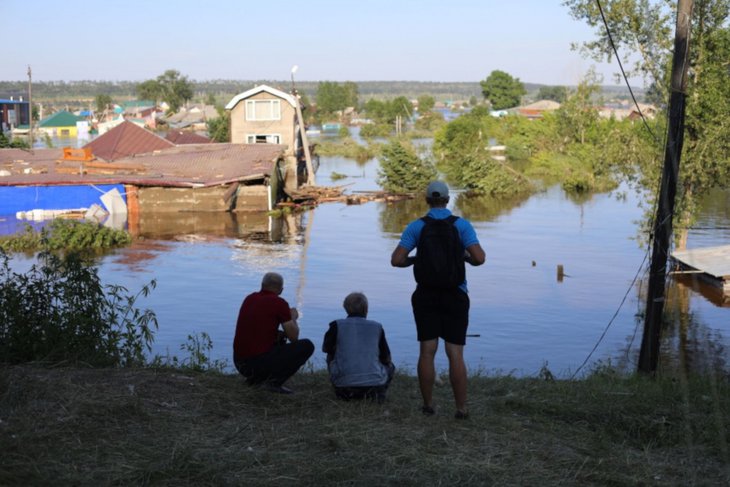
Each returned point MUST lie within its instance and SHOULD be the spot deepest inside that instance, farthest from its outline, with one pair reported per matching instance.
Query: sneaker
(427, 411)
(277, 389)
(461, 415)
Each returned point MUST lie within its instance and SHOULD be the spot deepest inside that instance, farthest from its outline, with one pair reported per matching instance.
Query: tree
(643, 32)
(579, 113)
(333, 97)
(103, 101)
(402, 171)
(425, 104)
(169, 87)
(502, 90)
(555, 93)
(219, 128)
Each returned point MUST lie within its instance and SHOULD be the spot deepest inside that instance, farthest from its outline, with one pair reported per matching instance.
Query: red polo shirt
(258, 319)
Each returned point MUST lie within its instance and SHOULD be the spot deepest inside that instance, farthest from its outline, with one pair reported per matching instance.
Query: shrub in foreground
(59, 311)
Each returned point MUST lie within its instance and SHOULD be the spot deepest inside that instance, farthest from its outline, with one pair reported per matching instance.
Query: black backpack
(440, 254)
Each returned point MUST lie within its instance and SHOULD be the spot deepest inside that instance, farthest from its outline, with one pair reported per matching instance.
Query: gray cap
(437, 189)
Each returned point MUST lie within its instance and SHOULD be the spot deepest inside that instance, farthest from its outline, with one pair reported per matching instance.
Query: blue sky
(419, 40)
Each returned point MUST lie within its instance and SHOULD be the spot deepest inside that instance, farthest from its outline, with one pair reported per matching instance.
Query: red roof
(126, 140)
(191, 165)
(178, 137)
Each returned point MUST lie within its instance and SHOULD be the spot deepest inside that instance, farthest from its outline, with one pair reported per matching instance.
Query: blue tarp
(24, 198)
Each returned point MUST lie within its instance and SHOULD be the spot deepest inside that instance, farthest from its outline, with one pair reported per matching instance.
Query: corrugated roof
(181, 166)
(60, 119)
(125, 140)
(179, 137)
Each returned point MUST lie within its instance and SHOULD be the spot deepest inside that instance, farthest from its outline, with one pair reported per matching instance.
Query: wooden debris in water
(313, 195)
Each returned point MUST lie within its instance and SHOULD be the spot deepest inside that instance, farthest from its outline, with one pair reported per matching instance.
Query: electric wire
(656, 204)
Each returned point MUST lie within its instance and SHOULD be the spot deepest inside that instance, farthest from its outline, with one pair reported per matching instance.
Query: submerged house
(62, 124)
(146, 175)
(265, 115)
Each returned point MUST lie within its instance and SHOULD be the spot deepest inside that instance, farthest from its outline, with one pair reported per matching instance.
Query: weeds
(59, 311)
(62, 234)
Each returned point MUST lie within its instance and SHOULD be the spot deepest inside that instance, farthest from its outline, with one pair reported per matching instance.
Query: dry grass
(72, 426)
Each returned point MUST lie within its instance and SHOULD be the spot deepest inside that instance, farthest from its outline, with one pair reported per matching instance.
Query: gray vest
(357, 362)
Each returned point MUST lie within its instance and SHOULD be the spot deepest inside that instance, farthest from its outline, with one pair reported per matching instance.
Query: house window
(262, 139)
(263, 110)
(65, 132)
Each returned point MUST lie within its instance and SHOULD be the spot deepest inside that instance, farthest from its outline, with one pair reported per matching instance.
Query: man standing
(260, 350)
(440, 301)
(358, 356)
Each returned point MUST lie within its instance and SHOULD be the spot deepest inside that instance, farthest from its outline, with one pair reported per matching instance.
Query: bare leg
(457, 374)
(427, 369)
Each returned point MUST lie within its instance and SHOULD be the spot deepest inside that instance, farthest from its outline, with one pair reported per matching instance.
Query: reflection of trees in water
(395, 216)
(486, 208)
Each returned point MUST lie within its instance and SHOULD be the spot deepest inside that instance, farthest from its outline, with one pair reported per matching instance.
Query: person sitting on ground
(262, 352)
(358, 356)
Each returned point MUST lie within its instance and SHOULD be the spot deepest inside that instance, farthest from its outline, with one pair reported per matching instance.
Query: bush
(62, 234)
(60, 312)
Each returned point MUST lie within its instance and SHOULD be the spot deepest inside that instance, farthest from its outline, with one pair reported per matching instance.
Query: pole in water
(561, 273)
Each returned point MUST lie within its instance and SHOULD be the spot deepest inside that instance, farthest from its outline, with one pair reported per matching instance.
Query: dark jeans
(276, 365)
(374, 392)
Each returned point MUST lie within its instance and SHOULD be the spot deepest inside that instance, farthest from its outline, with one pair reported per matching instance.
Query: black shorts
(441, 314)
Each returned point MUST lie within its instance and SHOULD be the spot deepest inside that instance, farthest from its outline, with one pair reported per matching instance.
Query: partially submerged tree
(643, 32)
(402, 171)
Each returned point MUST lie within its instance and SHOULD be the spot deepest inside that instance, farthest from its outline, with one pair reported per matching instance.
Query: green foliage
(333, 97)
(197, 347)
(62, 234)
(13, 144)
(578, 115)
(554, 93)
(643, 31)
(59, 311)
(425, 104)
(376, 130)
(219, 128)
(385, 112)
(343, 132)
(347, 148)
(103, 102)
(502, 90)
(336, 176)
(169, 87)
(430, 121)
(402, 171)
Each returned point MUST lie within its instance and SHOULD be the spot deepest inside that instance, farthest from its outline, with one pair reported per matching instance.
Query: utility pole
(649, 355)
(302, 131)
(30, 108)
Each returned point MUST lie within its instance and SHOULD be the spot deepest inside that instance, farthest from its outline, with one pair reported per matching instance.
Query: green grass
(71, 426)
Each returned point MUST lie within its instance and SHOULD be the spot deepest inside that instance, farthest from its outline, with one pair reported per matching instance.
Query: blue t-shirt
(410, 236)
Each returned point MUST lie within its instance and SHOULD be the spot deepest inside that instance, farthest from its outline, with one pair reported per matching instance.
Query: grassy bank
(74, 426)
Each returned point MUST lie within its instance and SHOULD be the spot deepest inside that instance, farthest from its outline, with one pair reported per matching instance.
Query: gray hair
(272, 282)
(356, 304)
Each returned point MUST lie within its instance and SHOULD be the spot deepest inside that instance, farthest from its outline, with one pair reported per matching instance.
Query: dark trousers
(366, 392)
(276, 365)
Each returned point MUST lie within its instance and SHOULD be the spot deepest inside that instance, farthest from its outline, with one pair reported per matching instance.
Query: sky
(345, 40)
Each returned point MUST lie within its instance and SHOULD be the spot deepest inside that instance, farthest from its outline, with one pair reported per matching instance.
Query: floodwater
(524, 316)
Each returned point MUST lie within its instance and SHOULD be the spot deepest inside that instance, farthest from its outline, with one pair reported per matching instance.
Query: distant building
(535, 110)
(61, 123)
(14, 113)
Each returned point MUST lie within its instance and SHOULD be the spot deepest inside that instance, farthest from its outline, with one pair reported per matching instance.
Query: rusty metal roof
(125, 140)
(180, 137)
(182, 166)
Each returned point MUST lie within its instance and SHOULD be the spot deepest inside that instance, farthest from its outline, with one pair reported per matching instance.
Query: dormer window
(258, 110)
